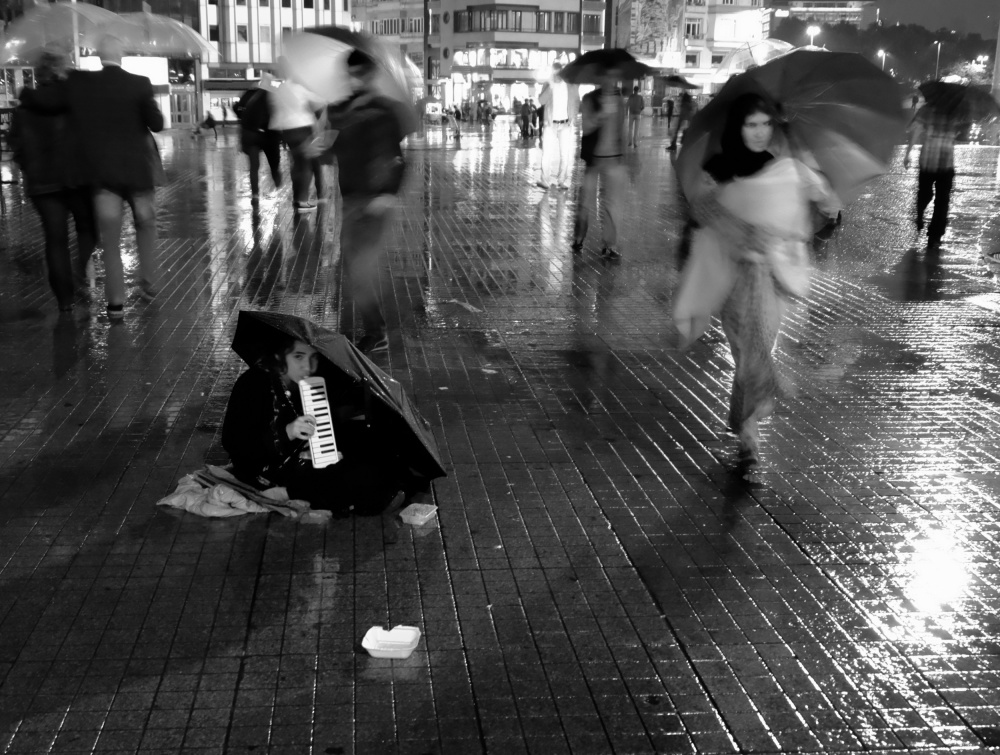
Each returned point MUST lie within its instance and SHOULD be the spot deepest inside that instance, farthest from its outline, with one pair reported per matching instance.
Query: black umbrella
(353, 379)
(838, 108)
(674, 81)
(959, 101)
(593, 66)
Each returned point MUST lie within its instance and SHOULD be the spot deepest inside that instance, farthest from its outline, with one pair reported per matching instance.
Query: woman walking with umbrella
(750, 185)
(753, 210)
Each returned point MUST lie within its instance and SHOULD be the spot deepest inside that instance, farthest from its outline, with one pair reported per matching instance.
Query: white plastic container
(397, 642)
(418, 513)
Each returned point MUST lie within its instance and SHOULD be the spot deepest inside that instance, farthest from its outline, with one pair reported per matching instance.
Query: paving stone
(599, 578)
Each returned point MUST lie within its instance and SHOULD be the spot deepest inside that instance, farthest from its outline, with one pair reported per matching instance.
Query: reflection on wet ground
(601, 578)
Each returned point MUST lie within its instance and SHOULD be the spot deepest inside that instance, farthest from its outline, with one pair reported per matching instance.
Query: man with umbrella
(370, 171)
(936, 125)
(602, 150)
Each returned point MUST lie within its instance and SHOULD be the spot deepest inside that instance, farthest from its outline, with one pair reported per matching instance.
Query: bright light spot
(938, 570)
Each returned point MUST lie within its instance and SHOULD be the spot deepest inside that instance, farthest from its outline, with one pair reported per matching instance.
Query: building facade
(714, 28)
(249, 36)
(688, 37)
(497, 51)
(399, 23)
(855, 12)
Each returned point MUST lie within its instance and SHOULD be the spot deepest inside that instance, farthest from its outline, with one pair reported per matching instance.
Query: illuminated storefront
(500, 75)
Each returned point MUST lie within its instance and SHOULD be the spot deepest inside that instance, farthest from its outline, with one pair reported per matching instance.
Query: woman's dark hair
(736, 159)
(360, 59)
(272, 360)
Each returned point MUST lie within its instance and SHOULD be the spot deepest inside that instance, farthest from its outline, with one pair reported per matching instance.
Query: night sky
(981, 16)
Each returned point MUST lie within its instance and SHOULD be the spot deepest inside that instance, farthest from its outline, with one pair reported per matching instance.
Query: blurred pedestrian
(209, 123)
(112, 112)
(560, 105)
(44, 149)
(937, 131)
(370, 168)
(525, 116)
(293, 115)
(669, 105)
(635, 106)
(685, 113)
(749, 255)
(602, 150)
(256, 136)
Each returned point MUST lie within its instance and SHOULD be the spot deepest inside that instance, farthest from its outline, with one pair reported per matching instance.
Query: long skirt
(751, 319)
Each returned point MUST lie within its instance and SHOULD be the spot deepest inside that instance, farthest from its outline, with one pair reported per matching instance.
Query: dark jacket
(43, 148)
(369, 156)
(590, 107)
(253, 110)
(253, 431)
(111, 113)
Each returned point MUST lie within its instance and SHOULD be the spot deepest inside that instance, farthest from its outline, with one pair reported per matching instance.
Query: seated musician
(266, 434)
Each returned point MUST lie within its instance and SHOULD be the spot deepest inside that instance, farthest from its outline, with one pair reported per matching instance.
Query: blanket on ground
(215, 492)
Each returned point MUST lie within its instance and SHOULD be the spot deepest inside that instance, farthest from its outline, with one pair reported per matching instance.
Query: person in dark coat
(254, 114)
(266, 434)
(111, 113)
(370, 170)
(43, 149)
(525, 118)
(209, 123)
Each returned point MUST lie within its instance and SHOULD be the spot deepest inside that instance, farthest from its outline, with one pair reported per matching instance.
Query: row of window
(243, 33)
(263, 33)
(555, 22)
(397, 26)
(308, 4)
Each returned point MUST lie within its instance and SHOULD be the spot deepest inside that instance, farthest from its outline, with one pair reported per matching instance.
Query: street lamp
(881, 54)
(812, 31)
(937, 65)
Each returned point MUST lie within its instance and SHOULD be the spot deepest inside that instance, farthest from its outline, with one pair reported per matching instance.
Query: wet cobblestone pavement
(599, 579)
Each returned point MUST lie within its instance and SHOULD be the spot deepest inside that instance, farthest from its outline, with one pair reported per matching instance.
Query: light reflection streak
(938, 569)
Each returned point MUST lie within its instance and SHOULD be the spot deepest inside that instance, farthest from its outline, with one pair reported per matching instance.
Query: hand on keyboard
(302, 428)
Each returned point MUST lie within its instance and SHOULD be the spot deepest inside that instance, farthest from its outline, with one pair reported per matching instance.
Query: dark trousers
(365, 485)
(253, 144)
(939, 186)
(54, 210)
(304, 169)
(364, 221)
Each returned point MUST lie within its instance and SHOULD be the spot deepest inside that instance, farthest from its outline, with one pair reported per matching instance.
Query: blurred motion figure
(44, 149)
(370, 170)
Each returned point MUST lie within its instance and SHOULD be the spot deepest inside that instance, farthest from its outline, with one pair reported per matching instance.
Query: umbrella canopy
(837, 108)
(674, 81)
(318, 57)
(152, 34)
(353, 379)
(593, 66)
(960, 101)
(319, 63)
(749, 56)
(63, 25)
